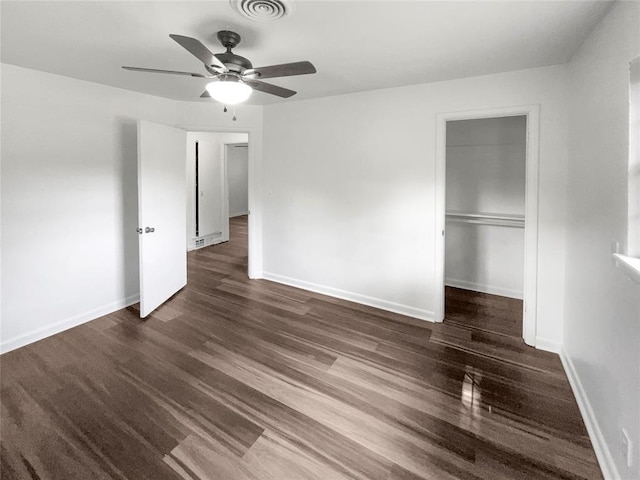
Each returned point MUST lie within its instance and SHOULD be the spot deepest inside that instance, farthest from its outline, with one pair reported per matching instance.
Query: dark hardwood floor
(252, 380)
(483, 312)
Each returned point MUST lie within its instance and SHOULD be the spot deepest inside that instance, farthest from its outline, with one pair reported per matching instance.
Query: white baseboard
(231, 215)
(480, 287)
(47, 331)
(603, 454)
(548, 345)
(352, 297)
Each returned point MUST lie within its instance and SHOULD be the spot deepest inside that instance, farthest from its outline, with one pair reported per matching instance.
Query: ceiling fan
(235, 75)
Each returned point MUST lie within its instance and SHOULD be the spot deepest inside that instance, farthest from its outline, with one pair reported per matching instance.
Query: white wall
(211, 185)
(486, 174)
(602, 306)
(69, 196)
(238, 176)
(486, 165)
(349, 189)
(69, 199)
(485, 258)
(633, 237)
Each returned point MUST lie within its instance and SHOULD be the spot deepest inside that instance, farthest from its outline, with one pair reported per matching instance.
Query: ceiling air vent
(263, 10)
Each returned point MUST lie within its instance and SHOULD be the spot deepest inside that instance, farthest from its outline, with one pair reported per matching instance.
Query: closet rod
(495, 219)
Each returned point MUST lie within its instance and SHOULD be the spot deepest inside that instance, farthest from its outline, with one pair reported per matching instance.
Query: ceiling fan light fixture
(229, 92)
(236, 75)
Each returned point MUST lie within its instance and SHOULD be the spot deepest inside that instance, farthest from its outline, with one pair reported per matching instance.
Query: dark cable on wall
(197, 195)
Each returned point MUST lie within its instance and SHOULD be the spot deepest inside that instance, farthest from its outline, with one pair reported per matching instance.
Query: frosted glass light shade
(229, 93)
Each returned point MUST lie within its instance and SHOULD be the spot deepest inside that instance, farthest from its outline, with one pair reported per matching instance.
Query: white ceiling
(355, 46)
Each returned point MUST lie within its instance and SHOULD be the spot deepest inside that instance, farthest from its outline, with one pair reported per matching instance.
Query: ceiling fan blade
(198, 50)
(172, 72)
(283, 70)
(269, 88)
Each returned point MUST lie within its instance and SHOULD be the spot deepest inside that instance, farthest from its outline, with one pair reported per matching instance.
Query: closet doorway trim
(532, 112)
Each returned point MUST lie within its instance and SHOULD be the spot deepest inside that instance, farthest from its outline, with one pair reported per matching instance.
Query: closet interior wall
(485, 205)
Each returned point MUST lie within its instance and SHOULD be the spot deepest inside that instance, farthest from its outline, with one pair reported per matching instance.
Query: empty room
(297, 239)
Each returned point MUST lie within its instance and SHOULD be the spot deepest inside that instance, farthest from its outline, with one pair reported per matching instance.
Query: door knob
(149, 229)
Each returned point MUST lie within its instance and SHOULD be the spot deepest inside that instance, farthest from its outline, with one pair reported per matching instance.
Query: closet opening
(484, 223)
(486, 203)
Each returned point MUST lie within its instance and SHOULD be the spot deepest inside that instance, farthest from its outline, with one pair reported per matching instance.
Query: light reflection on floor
(471, 394)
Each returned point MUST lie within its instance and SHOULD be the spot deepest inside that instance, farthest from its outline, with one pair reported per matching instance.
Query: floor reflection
(471, 394)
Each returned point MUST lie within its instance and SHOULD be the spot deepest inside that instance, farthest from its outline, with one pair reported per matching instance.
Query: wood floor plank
(368, 427)
(340, 453)
(233, 379)
(273, 457)
(485, 312)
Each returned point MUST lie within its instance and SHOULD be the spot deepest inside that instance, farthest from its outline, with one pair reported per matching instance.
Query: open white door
(161, 213)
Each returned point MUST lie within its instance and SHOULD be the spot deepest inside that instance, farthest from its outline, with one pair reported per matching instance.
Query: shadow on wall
(129, 205)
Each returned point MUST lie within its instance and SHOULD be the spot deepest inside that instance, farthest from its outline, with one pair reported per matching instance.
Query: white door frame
(532, 112)
(254, 243)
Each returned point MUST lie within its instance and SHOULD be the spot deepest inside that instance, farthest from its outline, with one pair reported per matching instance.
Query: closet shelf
(480, 218)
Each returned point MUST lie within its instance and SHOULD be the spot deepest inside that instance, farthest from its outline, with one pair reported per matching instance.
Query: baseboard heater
(207, 240)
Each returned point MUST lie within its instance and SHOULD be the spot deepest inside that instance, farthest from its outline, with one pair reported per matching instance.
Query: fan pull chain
(234, 118)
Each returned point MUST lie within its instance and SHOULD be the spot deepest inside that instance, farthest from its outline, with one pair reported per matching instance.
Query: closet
(485, 205)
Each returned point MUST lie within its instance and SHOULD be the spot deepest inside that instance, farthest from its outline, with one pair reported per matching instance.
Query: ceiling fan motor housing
(228, 39)
(235, 63)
